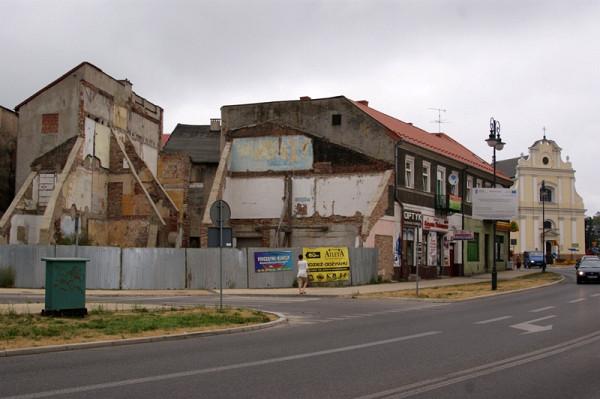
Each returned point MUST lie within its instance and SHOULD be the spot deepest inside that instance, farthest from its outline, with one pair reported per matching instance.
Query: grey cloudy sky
(527, 63)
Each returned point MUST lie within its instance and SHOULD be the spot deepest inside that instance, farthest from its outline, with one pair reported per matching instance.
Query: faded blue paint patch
(260, 154)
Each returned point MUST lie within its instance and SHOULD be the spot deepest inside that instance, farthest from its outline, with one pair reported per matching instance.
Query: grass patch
(464, 291)
(25, 330)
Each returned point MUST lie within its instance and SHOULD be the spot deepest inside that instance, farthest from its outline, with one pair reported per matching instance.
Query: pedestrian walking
(518, 262)
(302, 275)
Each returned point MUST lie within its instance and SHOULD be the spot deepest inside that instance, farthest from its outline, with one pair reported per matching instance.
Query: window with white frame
(454, 183)
(440, 183)
(469, 188)
(409, 172)
(426, 176)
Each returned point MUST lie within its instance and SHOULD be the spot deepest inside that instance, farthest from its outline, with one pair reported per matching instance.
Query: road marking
(542, 309)
(192, 373)
(577, 300)
(598, 294)
(531, 328)
(493, 320)
(456, 377)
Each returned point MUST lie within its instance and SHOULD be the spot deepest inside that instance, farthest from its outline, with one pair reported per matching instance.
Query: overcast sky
(527, 63)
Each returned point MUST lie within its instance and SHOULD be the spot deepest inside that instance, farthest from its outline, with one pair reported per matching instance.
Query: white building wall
(254, 198)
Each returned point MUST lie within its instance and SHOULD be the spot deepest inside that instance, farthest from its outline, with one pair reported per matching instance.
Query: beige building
(562, 211)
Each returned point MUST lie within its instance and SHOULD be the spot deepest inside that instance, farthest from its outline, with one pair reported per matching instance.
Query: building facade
(334, 171)
(553, 222)
(87, 161)
(193, 147)
(9, 121)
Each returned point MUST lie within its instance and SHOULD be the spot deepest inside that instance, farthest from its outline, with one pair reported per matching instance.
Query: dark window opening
(336, 119)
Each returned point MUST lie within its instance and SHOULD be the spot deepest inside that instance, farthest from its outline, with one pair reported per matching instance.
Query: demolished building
(87, 159)
(336, 172)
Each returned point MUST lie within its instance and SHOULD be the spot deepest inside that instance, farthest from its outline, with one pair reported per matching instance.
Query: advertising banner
(327, 264)
(494, 203)
(273, 261)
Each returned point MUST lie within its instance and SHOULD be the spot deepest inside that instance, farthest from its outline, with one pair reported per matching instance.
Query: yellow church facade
(556, 218)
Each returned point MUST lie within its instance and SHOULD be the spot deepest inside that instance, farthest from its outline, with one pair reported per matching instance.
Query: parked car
(533, 258)
(588, 270)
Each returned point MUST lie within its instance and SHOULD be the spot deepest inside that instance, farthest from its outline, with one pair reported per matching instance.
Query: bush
(7, 277)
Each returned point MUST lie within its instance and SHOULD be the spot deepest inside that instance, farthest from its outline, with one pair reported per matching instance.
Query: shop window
(473, 249)
(478, 183)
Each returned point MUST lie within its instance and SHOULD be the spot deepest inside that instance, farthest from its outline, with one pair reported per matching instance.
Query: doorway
(486, 253)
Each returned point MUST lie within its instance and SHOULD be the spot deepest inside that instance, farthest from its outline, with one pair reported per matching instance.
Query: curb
(436, 300)
(142, 340)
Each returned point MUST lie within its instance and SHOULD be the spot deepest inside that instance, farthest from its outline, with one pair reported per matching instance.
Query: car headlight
(580, 273)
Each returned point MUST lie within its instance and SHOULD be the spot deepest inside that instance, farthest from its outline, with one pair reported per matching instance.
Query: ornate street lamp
(496, 143)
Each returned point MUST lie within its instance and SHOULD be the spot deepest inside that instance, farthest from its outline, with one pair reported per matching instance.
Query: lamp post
(496, 143)
(543, 199)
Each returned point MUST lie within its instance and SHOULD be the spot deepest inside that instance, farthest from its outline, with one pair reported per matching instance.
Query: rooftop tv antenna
(439, 119)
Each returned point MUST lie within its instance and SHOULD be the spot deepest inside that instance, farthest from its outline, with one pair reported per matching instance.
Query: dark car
(586, 257)
(588, 270)
(533, 258)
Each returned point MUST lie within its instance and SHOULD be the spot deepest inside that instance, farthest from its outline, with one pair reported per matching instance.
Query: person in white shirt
(302, 274)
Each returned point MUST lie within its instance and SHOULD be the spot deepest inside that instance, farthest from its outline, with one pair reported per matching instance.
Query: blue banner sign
(273, 261)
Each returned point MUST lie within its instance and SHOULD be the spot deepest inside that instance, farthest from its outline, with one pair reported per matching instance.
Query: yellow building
(562, 211)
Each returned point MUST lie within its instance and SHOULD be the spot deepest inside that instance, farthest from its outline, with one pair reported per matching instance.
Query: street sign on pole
(220, 213)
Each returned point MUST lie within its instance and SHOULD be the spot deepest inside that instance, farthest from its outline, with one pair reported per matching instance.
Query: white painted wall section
(303, 197)
(31, 223)
(345, 195)
(254, 198)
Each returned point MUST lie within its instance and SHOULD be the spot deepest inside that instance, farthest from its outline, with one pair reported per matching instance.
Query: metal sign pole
(419, 254)
(221, 257)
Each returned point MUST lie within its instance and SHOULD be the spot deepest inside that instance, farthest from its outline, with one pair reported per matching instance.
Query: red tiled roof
(440, 143)
(164, 138)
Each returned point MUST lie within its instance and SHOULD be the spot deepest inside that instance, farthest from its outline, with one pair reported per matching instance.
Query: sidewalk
(311, 291)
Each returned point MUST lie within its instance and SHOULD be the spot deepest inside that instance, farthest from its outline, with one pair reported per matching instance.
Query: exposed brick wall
(115, 200)
(385, 255)
(50, 123)
(56, 158)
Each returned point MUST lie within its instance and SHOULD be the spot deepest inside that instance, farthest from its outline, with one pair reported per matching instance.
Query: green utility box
(65, 287)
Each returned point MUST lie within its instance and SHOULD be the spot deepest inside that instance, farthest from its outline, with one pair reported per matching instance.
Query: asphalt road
(542, 343)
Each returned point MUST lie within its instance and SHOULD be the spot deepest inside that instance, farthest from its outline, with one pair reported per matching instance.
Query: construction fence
(172, 268)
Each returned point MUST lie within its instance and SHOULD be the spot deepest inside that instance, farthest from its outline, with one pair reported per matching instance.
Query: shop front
(435, 230)
(412, 222)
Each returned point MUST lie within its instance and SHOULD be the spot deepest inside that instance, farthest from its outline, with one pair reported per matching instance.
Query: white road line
(193, 373)
(598, 294)
(542, 309)
(492, 320)
(456, 377)
(577, 300)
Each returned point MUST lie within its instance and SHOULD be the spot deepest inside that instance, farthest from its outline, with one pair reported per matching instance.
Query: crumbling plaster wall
(62, 98)
(8, 160)
(357, 131)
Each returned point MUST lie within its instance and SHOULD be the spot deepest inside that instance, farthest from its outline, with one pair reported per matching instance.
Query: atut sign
(411, 218)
